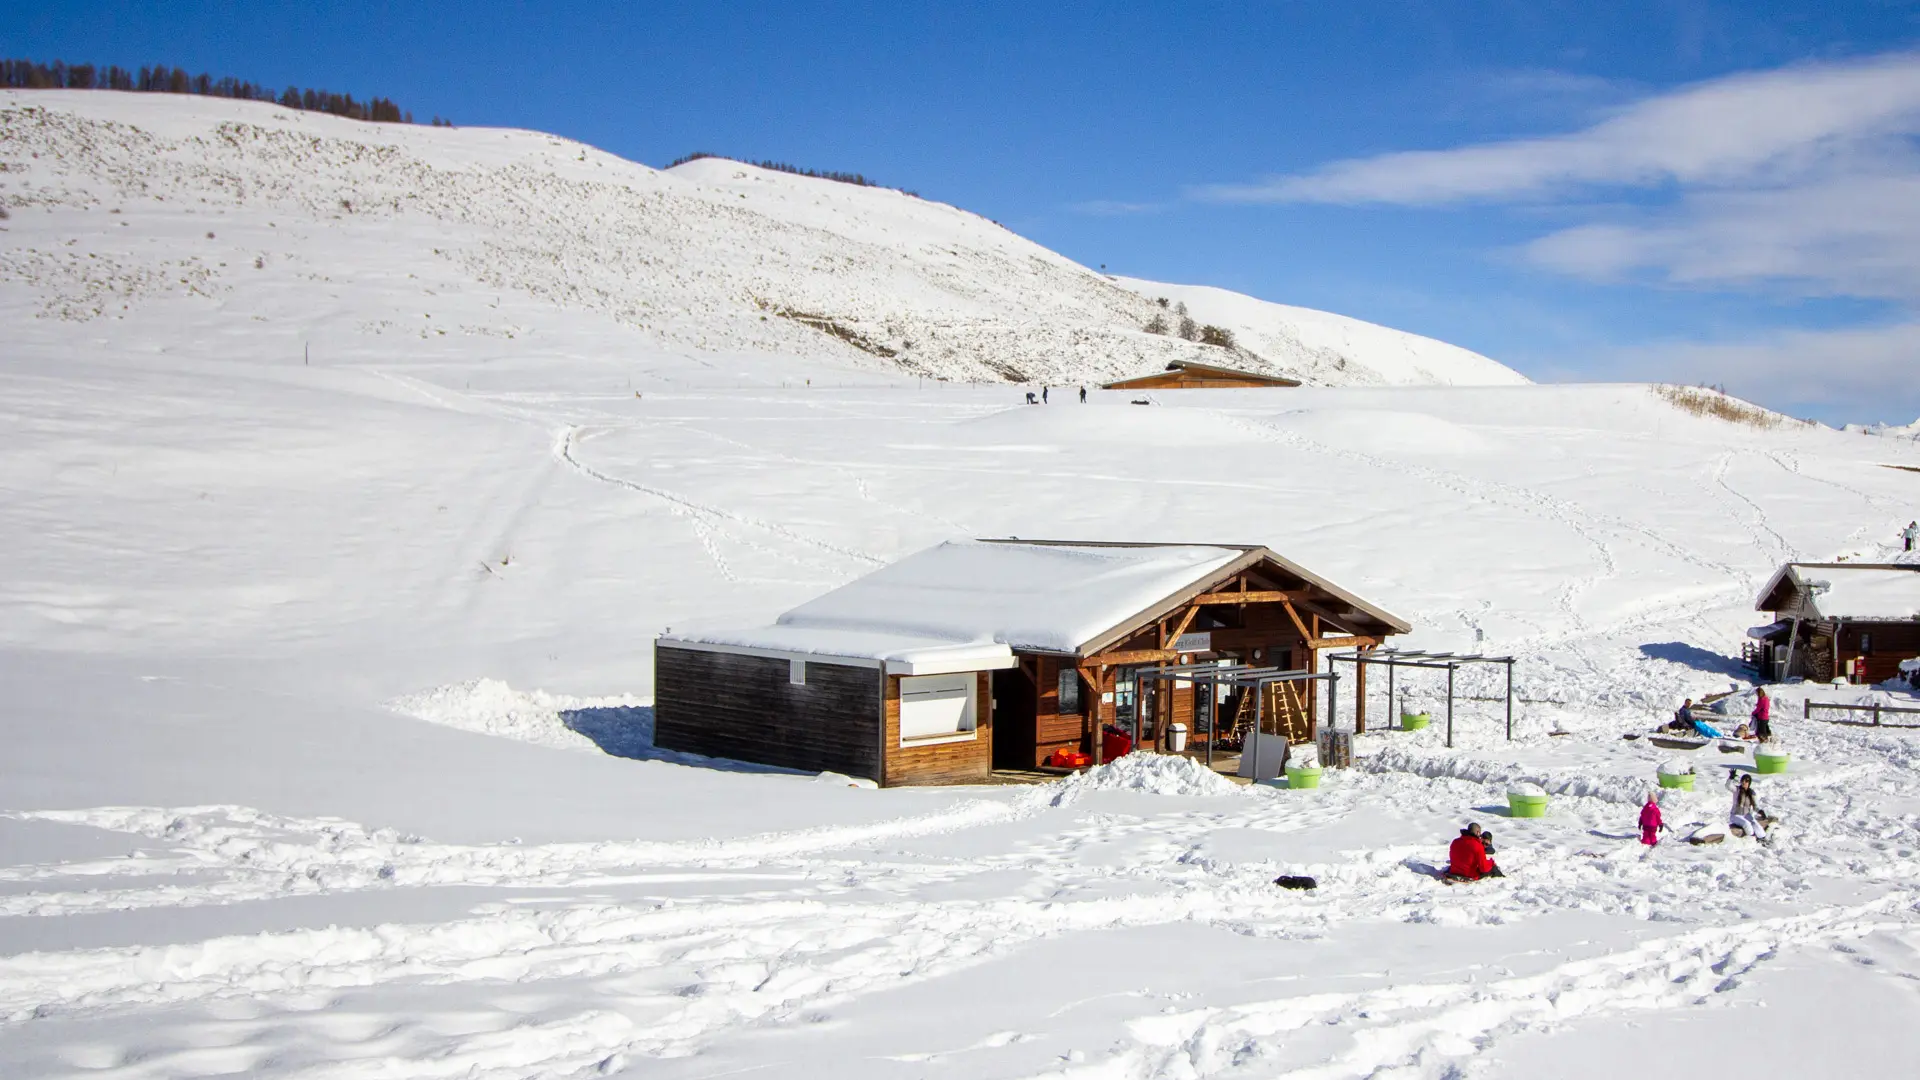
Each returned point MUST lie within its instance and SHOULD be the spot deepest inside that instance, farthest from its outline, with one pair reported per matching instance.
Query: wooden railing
(1876, 709)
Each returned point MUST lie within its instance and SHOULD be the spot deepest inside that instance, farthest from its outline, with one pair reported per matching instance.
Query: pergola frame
(1240, 675)
(1420, 658)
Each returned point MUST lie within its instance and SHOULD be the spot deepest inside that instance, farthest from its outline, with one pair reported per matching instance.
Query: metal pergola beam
(1433, 661)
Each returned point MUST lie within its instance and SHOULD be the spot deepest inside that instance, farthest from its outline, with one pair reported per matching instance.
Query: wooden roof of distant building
(1189, 375)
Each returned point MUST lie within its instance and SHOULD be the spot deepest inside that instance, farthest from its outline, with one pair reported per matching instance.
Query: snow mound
(1526, 789)
(1676, 767)
(621, 725)
(1625, 790)
(1154, 774)
(1390, 431)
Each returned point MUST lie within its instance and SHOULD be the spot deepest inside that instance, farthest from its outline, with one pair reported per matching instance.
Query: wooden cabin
(976, 655)
(1187, 375)
(1854, 621)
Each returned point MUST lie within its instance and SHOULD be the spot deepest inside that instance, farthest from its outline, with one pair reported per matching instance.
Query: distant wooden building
(975, 655)
(1855, 621)
(1187, 375)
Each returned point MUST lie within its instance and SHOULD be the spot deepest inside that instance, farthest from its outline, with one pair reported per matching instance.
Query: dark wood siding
(746, 708)
(1891, 642)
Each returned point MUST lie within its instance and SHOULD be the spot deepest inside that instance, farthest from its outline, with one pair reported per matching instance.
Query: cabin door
(1015, 740)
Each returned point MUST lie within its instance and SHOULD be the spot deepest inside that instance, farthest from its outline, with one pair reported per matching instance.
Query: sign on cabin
(1196, 641)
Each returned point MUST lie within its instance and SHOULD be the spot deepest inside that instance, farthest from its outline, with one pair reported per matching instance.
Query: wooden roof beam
(1250, 596)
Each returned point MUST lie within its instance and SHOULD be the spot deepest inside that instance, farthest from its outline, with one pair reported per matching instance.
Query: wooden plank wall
(1892, 643)
(745, 708)
(1053, 729)
(961, 762)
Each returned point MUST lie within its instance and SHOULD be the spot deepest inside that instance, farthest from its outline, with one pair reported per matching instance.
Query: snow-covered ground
(327, 739)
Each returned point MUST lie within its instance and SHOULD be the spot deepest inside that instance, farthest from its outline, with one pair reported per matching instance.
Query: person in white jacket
(1745, 814)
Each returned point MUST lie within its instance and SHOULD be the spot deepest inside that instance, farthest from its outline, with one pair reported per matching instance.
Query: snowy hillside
(327, 727)
(1330, 350)
(143, 215)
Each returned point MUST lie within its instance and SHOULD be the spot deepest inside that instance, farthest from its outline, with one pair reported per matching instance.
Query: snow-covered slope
(142, 215)
(1330, 350)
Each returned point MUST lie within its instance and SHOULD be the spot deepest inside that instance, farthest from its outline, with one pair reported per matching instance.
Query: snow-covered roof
(975, 600)
(1857, 591)
(1032, 596)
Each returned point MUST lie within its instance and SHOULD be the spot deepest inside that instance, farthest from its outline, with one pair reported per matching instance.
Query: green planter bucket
(1302, 778)
(1526, 805)
(1683, 781)
(1414, 721)
(1764, 762)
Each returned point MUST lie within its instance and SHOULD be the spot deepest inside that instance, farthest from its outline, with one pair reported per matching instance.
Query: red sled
(1068, 759)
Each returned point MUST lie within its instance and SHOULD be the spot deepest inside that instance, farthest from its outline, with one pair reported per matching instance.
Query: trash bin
(1770, 761)
(1177, 738)
(1308, 777)
(1412, 721)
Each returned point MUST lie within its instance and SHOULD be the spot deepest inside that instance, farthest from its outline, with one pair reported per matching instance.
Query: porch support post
(1359, 692)
(1450, 706)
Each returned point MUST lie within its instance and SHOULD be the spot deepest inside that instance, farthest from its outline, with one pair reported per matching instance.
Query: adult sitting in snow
(1682, 717)
(1467, 858)
(1762, 715)
(1745, 817)
(1650, 823)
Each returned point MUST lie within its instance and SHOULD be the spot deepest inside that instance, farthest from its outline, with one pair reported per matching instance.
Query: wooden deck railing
(1876, 709)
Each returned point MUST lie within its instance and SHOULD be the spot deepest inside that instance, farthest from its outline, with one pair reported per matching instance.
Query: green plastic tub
(1770, 762)
(1414, 721)
(1683, 781)
(1302, 778)
(1526, 805)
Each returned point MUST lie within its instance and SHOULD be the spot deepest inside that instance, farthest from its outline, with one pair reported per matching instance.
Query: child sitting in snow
(1746, 818)
(1467, 858)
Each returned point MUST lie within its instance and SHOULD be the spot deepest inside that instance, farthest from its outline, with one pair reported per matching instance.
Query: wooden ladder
(1286, 714)
(1290, 714)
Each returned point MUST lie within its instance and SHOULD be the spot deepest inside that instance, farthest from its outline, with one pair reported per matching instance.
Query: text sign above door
(1198, 641)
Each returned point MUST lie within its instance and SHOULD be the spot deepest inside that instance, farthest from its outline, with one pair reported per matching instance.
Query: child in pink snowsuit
(1650, 822)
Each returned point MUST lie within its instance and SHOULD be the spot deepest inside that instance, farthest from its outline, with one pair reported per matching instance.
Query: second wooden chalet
(1854, 621)
(984, 654)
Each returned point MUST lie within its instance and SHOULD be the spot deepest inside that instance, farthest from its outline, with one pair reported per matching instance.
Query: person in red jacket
(1467, 858)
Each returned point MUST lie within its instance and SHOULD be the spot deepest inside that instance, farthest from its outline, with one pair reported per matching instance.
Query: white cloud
(1809, 368)
(1736, 130)
(1845, 235)
(1113, 208)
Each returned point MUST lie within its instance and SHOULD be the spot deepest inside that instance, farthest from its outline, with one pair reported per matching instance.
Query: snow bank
(1154, 774)
(1510, 776)
(1676, 767)
(622, 726)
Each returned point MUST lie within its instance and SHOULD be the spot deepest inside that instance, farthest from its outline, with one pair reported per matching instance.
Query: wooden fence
(1876, 709)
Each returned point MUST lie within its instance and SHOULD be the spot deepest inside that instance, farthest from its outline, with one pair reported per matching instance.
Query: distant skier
(1745, 815)
(1650, 824)
(1762, 715)
(1467, 858)
(1043, 395)
(1083, 401)
(1910, 534)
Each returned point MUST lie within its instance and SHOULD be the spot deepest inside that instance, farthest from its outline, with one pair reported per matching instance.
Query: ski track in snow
(814, 919)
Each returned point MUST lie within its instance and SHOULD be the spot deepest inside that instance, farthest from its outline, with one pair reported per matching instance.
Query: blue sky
(1691, 191)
